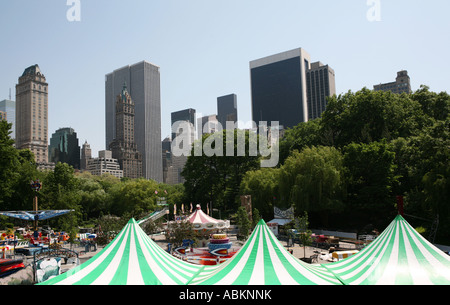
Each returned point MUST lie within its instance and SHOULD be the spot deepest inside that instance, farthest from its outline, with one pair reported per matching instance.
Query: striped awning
(201, 220)
(264, 261)
(132, 258)
(399, 256)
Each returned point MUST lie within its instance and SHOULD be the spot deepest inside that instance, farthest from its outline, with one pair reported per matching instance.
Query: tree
(434, 105)
(371, 179)
(301, 136)
(17, 168)
(179, 231)
(304, 234)
(313, 180)
(243, 222)
(133, 198)
(256, 217)
(422, 162)
(367, 116)
(217, 178)
(60, 192)
(93, 196)
(262, 185)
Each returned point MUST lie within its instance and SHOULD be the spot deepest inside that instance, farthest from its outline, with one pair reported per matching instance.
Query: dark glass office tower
(227, 109)
(186, 115)
(278, 87)
(64, 147)
(143, 80)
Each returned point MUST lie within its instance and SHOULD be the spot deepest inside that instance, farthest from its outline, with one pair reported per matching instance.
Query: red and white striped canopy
(201, 220)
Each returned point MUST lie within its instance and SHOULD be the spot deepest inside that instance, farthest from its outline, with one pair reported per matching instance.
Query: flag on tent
(132, 258)
(264, 261)
(399, 256)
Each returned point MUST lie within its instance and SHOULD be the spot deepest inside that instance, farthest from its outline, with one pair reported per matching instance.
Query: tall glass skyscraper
(186, 115)
(278, 88)
(143, 81)
(227, 109)
(288, 88)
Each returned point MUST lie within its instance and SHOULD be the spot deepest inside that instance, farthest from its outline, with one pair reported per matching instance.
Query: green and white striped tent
(399, 256)
(132, 258)
(264, 261)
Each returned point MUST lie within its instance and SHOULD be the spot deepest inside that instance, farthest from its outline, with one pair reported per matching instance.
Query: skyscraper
(227, 109)
(207, 124)
(9, 108)
(64, 147)
(186, 115)
(320, 85)
(86, 155)
(167, 159)
(32, 114)
(124, 147)
(143, 80)
(181, 143)
(402, 84)
(288, 88)
(278, 88)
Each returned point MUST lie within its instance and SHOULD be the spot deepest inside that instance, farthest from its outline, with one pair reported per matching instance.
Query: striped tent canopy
(399, 256)
(132, 258)
(200, 221)
(264, 261)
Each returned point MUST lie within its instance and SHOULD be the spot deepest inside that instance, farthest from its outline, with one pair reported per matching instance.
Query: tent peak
(261, 222)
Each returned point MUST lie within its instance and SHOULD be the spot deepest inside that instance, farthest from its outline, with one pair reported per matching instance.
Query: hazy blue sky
(204, 48)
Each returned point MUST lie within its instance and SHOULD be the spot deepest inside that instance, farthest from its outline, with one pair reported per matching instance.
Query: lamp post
(36, 186)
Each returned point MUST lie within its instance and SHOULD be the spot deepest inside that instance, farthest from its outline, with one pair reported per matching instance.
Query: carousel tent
(264, 261)
(399, 256)
(200, 220)
(132, 258)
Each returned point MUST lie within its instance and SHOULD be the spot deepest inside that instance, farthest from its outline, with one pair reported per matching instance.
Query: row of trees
(346, 168)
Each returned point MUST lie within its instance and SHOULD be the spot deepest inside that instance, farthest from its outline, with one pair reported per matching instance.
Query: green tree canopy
(217, 178)
(313, 180)
(135, 197)
(262, 186)
(371, 178)
(367, 116)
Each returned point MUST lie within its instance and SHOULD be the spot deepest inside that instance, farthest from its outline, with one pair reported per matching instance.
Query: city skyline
(76, 55)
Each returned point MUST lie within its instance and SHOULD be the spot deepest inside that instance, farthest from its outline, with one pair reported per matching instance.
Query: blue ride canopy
(35, 215)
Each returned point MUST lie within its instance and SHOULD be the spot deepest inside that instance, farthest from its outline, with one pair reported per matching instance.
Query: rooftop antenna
(9, 93)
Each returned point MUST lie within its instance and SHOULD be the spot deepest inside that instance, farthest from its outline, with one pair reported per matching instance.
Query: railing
(154, 216)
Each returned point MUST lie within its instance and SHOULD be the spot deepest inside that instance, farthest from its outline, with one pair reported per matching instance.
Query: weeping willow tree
(313, 180)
